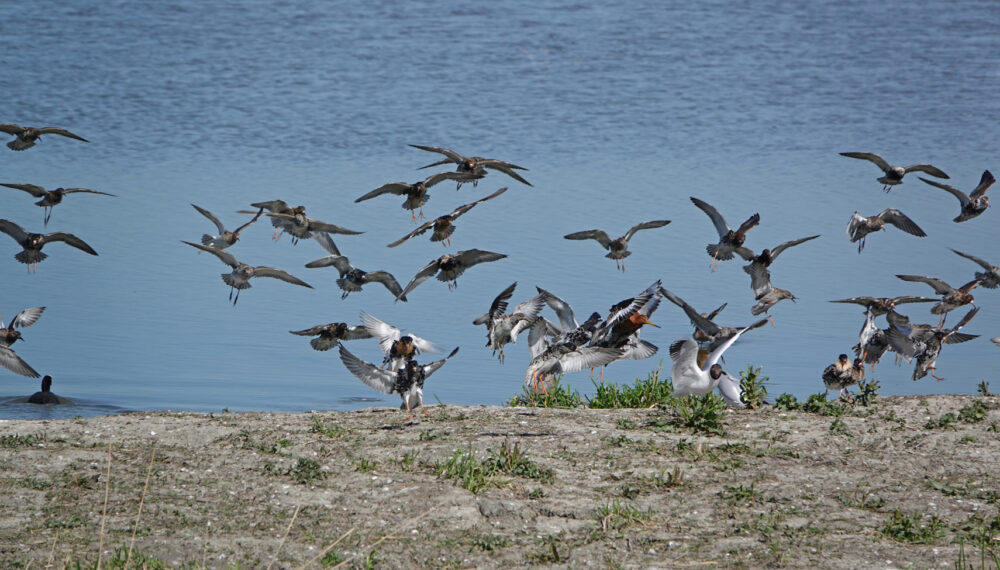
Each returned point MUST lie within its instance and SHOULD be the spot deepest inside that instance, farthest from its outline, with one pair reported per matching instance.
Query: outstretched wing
(962, 196)
(465, 208)
(901, 221)
(507, 168)
(399, 188)
(11, 361)
(341, 262)
(433, 366)
(703, 324)
(450, 154)
(567, 320)
(85, 190)
(69, 239)
(932, 170)
(326, 241)
(424, 274)
(470, 257)
(386, 279)
(13, 230)
(373, 376)
(645, 226)
(211, 217)
(599, 235)
(318, 226)
(940, 287)
(422, 229)
(27, 317)
(226, 257)
(60, 131)
(720, 223)
(684, 350)
(982, 262)
(871, 156)
(36, 191)
(984, 184)
(777, 251)
(263, 271)
(383, 331)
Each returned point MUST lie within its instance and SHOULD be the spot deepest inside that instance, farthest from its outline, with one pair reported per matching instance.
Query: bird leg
(48, 214)
(408, 414)
(935, 376)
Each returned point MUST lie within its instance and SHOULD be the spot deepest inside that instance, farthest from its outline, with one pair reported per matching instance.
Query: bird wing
(451, 175)
(452, 155)
(637, 349)
(856, 221)
(600, 235)
(69, 239)
(11, 361)
(312, 331)
(760, 279)
(373, 376)
(752, 222)
(940, 287)
(776, 251)
(933, 171)
(263, 271)
(567, 320)
(588, 357)
(433, 366)
(211, 217)
(878, 160)
(341, 262)
(11, 129)
(982, 262)
(537, 334)
(252, 220)
(60, 131)
(36, 191)
(720, 223)
(465, 208)
(864, 301)
(272, 206)
(900, 343)
(386, 279)
(318, 226)
(984, 184)
(965, 320)
(901, 221)
(499, 305)
(383, 331)
(399, 188)
(27, 317)
(326, 241)
(711, 316)
(684, 350)
(13, 230)
(530, 308)
(423, 228)
(717, 353)
(424, 274)
(471, 257)
(85, 190)
(506, 168)
(645, 226)
(226, 257)
(962, 196)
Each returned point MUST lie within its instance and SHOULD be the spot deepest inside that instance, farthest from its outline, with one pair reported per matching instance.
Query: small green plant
(914, 528)
(974, 413)
(429, 435)
(536, 493)
(511, 460)
(490, 542)
(365, 465)
(643, 394)
(983, 388)
(867, 392)
(839, 428)
(624, 423)
(71, 522)
(944, 422)
(371, 560)
(558, 396)
(306, 470)
(700, 413)
(753, 388)
(549, 554)
(332, 431)
(616, 515)
(15, 440)
(331, 558)
(786, 402)
(669, 480)
(740, 494)
(470, 472)
(818, 404)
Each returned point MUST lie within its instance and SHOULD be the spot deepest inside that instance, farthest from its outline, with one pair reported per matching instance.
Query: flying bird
(9, 335)
(416, 193)
(330, 335)
(28, 136)
(974, 203)
(860, 226)
(951, 298)
(879, 306)
(351, 278)
(225, 238)
(49, 198)
(473, 165)
(564, 358)
(991, 278)
(241, 274)
(449, 267)
(925, 344)
(706, 330)
(32, 244)
(759, 264)
(444, 225)
(730, 240)
(407, 381)
(618, 247)
(397, 347)
(502, 328)
(301, 226)
(894, 174)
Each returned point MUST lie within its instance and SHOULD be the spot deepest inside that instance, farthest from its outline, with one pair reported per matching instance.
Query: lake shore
(892, 484)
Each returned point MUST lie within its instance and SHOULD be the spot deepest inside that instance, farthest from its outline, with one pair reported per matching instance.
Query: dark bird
(330, 335)
(894, 174)
(397, 347)
(618, 247)
(759, 264)
(277, 207)
(730, 241)
(860, 226)
(27, 136)
(624, 321)
(407, 381)
(225, 238)
(879, 306)
(842, 374)
(351, 278)
(925, 344)
(974, 203)
(45, 396)
(765, 294)
(416, 193)
(33, 243)
(564, 358)
(473, 165)
(50, 198)
(568, 329)
(444, 225)
(449, 267)
(951, 298)
(9, 335)
(301, 226)
(991, 278)
(502, 328)
(241, 274)
(706, 330)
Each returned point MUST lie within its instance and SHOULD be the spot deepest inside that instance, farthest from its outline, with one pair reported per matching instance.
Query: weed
(512, 461)
(740, 494)
(944, 422)
(371, 560)
(536, 493)
(616, 515)
(33, 483)
(490, 542)
(697, 414)
(548, 555)
(914, 528)
(306, 470)
(408, 460)
(332, 431)
(838, 427)
(643, 394)
(470, 472)
(332, 558)
(973, 414)
(867, 392)
(861, 499)
(624, 423)
(818, 404)
(787, 402)
(15, 440)
(558, 396)
(71, 522)
(429, 435)
(669, 480)
(983, 388)
(753, 389)
(365, 466)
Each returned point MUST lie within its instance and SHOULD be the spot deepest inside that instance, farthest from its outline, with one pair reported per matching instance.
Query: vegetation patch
(476, 475)
(652, 391)
(914, 528)
(558, 396)
(753, 388)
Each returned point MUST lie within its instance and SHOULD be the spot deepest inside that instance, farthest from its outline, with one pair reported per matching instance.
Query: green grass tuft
(914, 528)
(559, 396)
(753, 387)
(643, 394)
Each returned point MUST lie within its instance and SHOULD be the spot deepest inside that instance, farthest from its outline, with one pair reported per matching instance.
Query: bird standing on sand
(842, 373)
(49, 198)
(894, 174)
(974, 203)
(407, 381)
(32, 244)
(28, 136)
(618, 247)
(860, 226)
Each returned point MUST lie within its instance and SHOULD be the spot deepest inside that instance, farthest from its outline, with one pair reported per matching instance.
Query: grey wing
(450, 175)
(932, 170)
(637, 349)
(383, 331)
(982, 262)
(499, 305)
(341, 262)
(720, 223)
(452, 155)
(902, 344)
(715, 313)
(466, 207)
(263, 271)
(864, 301)
(901, 221)
(507, 169)
(226, 257)
(856, 221)
(60, 131)
(589, 357)
(11, 129)
(645, 226)
(776, 251)
(272, 206)
(684, 350)
(13, 230)
(940, 287)
(433, 366)
(530, 308)
(313, 331)
(317, 226)
(211, 217)
(871, 156)
(11, 361)
(471, 257)
(962, 196)
(760, 279)
(703, 324)
(537, 334)
(386, 279)
(599, 235)
(420, 230)
(719, 350)
(27, 317)
(424, 274)
(326, 241)
(965, 320)
(957, 337)
(355, 332)
(567, 320)
(69, 239)
(85, 190)
(399, 188)
(984, 184)
(373, 376)
(36, 191)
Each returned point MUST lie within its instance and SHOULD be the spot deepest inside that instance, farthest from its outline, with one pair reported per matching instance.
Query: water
(621, 112)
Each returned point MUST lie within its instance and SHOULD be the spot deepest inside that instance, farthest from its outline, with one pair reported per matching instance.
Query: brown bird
(9, 335)
(444, 225)
(33, 243)
(473, 165)
(925, 344)
(416, 193)
(351, 278)
(991, 278)
(758, 268)
(842, 373)
(974, 203)
(277, 207)
(397, 347)
(860, 226)
(449, 267)
(894, 174)
(882, 305)
(951, 298)
(624, 321)
(330, 335)
(730, 241)
(27, 136)
(225, 238)
(241, 274)
(50, 198)
(617, 247)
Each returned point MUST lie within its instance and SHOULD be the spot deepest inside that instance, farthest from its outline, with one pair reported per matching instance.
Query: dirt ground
(891, 485)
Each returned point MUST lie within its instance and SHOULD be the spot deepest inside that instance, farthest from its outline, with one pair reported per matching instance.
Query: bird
(397, 347)
(45, 396)
(301, 226)
(564, 358)
(449, 267)
(759, 264)
(473, 165)
(618, 247)
(49, 198)
(975, 202)
(277, 207)
(879, 306)
(11, 361)
(766, 294)
(624, 321)
(951, 298)
(894, 174)
(32, 244)
(995, 340)
(28, 136)
(843, 373)
(502, 328)
(351, 278)
(689, 378)
(925, 344)
(707, 331)
(225, 238)
(241, 274)
(568, 329)
(860, 226)
(991, 278)
(27, 317)
(444, 225)
(730, 241)
(330, 335)
(407, 381)
(416, 193)
(731, 390)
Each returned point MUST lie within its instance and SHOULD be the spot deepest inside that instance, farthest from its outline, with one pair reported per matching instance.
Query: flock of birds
(562, 345)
